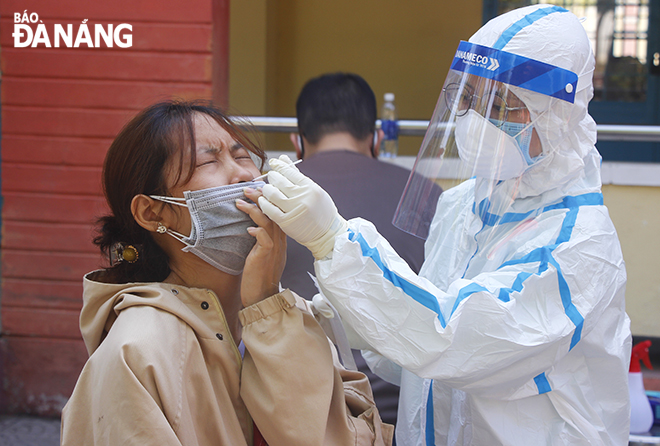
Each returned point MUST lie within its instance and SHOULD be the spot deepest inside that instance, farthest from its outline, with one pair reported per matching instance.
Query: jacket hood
(103, 301)
(570, 163)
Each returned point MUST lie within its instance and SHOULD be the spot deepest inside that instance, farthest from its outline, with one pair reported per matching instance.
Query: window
(625, 37)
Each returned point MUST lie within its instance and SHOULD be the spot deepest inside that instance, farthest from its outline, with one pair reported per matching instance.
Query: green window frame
(625, 35)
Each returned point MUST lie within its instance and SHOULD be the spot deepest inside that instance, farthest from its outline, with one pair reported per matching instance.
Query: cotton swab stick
(264, 175)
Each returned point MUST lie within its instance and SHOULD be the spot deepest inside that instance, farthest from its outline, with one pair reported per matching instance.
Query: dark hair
(338, 102)
(135, 164)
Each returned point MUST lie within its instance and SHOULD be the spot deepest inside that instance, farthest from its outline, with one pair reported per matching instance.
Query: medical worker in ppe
(515, 330)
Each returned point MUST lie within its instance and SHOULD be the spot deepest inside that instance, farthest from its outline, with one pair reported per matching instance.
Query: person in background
(191, 341)
(514, 332)
(339, 142)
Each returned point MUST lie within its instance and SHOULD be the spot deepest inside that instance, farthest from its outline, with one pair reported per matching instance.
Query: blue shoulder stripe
(418, 294)
(544, 257)
(488, 219)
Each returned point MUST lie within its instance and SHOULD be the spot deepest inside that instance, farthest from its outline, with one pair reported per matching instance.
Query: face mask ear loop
(177, 201)
(530, 123)
(177, 236)
(170, 200)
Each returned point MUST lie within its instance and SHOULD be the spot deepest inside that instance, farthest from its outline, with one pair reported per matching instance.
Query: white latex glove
(301, 208)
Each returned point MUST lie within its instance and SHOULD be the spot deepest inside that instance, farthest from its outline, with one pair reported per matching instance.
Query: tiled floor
(25, 430)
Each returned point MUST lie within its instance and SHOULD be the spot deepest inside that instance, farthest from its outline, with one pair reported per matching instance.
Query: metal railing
(606, 132)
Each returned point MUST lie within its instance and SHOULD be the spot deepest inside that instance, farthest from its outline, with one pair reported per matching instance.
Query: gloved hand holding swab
(266, 174)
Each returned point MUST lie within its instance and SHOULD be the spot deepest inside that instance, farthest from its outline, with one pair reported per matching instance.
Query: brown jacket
(164, 370)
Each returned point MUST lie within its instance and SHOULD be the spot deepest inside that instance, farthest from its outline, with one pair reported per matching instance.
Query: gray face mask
(219, 229)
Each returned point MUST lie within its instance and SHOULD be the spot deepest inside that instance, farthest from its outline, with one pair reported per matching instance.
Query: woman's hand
(265, 263)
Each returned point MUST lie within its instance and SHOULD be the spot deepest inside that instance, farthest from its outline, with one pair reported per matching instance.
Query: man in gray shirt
(339, 143)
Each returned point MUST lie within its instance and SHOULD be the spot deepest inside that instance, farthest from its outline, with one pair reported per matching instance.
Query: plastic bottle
(390, 125)
(641, 416)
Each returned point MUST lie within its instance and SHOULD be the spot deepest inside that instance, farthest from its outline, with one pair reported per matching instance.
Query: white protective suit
(515, 330)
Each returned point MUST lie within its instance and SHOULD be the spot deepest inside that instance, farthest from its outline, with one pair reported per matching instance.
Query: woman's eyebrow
(210, 149)
(236, 146)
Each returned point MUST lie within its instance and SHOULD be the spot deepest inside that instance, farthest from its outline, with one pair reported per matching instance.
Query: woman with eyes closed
(191, 341)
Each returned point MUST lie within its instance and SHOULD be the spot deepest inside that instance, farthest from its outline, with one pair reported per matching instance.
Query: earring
(161, 229)
(124, 253)
(130, 254)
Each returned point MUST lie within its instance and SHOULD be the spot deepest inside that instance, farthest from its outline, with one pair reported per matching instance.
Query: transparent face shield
(488, 123)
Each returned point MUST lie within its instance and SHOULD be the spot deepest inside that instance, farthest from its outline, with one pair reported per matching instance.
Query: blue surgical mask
(522, 133)
(487, 151)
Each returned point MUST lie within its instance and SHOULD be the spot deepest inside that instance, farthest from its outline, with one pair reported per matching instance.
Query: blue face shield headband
(515, 70)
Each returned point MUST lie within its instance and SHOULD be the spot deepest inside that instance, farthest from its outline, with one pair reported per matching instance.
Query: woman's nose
(241, 174)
